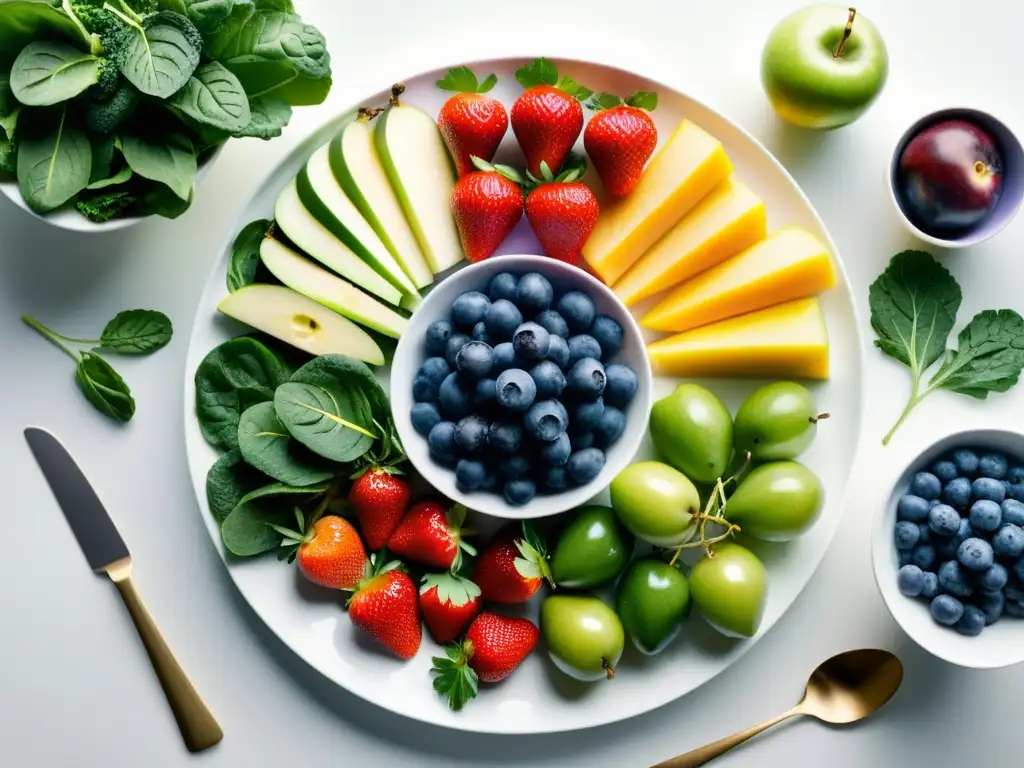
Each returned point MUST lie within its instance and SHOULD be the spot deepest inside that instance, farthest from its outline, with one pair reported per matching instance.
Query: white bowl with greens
(111, 112)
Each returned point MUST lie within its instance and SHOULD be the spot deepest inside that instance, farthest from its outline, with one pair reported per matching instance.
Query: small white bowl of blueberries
(948, 549)
(521, 387)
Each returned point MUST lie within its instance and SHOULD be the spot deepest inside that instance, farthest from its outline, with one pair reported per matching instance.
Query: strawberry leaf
(489, 82)
(574, 89)
(537, 72)
(526, 568)
(450, 589)
(456, 516)
(480, 164)
(533, 537)
(545, 172)
(604, 100)
(574, 168)
(647, 100)
(459, 80)
(453, 677)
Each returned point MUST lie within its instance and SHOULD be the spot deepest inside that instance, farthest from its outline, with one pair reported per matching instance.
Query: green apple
(301, 322)
(655, 502)
(823, 66)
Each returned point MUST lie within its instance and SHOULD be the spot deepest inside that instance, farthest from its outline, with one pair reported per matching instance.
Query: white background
(75, 686)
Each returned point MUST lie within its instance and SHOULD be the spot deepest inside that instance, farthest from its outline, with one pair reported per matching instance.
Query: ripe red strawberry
(487, 204)
(329, 551)
(621, 138)
(379, 497)
(448, 603)
(562, 212)
(385, 606)
(494, 646)
(513, 566)
(470, 122)
(432, 536)
(547, 118)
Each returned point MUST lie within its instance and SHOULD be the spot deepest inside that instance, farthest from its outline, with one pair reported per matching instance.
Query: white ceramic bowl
(411, 353)
(999, 645)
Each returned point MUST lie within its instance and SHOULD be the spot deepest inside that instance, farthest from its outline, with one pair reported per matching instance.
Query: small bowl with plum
(521, 387)
(948, 549)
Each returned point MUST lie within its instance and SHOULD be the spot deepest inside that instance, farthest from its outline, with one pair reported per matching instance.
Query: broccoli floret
(107, 205)
(109, 81)
(105, 116)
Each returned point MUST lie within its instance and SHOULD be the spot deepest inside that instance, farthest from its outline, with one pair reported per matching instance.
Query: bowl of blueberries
(947, 549)
(521, 387)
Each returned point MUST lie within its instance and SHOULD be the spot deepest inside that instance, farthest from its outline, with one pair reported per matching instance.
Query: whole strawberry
(431, 535)
(547, 118)
(329, 551)
(385, 606)
(379, 498)
(448, 603)
(472, 123)
(487, 204)
(562, 213)
(513, 566)
(494, 646)
(621, 138)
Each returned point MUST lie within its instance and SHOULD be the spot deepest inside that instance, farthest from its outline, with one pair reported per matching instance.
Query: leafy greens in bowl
(112, 107)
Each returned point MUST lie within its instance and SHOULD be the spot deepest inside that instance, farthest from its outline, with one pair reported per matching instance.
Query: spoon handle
(709, 752)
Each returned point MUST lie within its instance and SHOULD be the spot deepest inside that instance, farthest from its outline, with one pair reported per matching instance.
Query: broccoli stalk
(107, 205)
(90, 38)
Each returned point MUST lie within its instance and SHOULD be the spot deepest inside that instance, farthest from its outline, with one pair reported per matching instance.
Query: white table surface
(75, 686)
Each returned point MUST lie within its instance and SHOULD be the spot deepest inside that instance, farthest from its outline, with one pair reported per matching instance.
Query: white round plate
(537, 698)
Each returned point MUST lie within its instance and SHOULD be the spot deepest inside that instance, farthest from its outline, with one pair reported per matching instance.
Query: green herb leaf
(245, 254)
(169, 160)
(454, 679)
(137, 332)
(53, 165)
(990, 356)
(48, 72)
(213, 96)
(646, 100)
(266, 445)
(158, 55)
(333, 422)
(228, 481)
(104, 388)
(268, 118)
(537, 72)
(604, 100)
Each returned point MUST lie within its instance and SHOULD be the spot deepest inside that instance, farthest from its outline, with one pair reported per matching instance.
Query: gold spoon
(844, 689)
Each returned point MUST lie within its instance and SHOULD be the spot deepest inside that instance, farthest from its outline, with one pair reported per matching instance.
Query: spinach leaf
(169, 160)
(347, 373)
(8, 157)
(22, 21)
(305, 90)
(275, 5)
(120, 177)
(265, 444)
(216, 43)
(104, 388)
(178, 6)
(53, 165)
(137, 332)
(209, 16)
(9, 108)
(260, 77)
(279, 36)
(332, 421)
(102, 158)
(293, 358)
(157, 55)
(228, 480)
(213, 96)
(231, 378)
(245, 254)
(160, 200)
(268, 118)
(48, 72)
(247, 532)
(990, 356)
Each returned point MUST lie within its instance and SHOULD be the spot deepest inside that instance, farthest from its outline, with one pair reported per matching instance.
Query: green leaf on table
(228, 481)
(137, 332)
(54, 164)
(48, 72)
(157, 55)
(214, 96)
(245, 254)
(646, 100)
(104, 388)
(268, 118)
(266, 445)
(989, 358)
(537, 72)
(334, 422)
(169, 160)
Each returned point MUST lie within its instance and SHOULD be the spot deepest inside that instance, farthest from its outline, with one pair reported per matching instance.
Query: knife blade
(95, 531)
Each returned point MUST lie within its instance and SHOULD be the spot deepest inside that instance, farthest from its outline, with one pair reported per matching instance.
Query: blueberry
(912, 508)
(581, 346)
(923, 556)
(934, 503)
(531, 342)
(470, 433)
(994, 578)
(545, 421)
(943, 520)
(966, 462)
(971, 622)
(455, 344)
(586, 415)
(953, 579)
(910, 580)
(608, 333)
(582, 440)
(553, 323)
(549, 379)
(947, 610)
(424, 390)
(986, 515)
(1014, 609)
(578, 311)
(556, 478)
(492, 481)
(904, 556)
(975, 555)
(926, 485)
(907, 535)
(1015, 475)
(957, 492)
(583, 466)
(437, 336)
(503, 319)
(504, 437)
(441, 440)
(470, 308)
(435, 369)
(558, 352)
(480, 333)
(455, 399)
(610, 427)
(485, 394)
(993, 465)
(520, 491)
(963, 533)
(1009, 541)
(993, 605)
(945, 471)
(516, 466)
(556, 453)
(504, 357)
(503, 286)
(1016, 492)
(1014, 594)
(987, 488)
(475, 359)
(516, 390)
(534, 293)
(926, 533)
(424, 416)
(587, 379)
(621, 385)
(931, 586)
(469, 474)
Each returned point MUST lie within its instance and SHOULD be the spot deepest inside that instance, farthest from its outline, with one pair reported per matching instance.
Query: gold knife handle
(198, 727)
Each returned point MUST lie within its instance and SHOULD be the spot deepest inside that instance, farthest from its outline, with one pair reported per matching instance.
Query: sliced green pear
(302, 275)
(422, 175)
(302, 228)
(357, 167)
(301, 322)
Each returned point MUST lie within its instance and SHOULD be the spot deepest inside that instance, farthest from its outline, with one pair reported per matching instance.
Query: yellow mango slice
(725, 222)
(791, 264)
(784, 341)
(689, 165)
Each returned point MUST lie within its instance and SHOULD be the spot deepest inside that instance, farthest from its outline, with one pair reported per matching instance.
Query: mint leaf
(990, 356)
(537, 72)
(137, 332)
(646, 100)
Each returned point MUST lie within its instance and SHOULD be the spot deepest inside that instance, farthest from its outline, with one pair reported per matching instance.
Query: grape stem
(713, 513)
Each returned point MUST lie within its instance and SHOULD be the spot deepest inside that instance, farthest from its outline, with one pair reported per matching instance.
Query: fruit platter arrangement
(651, 354)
